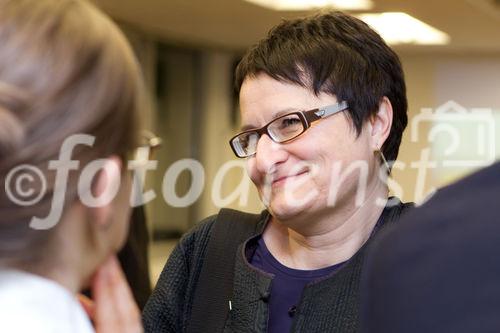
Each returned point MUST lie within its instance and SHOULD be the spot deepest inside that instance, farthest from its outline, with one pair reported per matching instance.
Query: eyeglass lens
(280, 130)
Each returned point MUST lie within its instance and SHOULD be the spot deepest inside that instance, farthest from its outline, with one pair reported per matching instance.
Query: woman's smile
(283, 180)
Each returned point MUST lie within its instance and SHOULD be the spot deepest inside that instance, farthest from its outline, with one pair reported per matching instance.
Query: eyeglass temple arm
(326, 111)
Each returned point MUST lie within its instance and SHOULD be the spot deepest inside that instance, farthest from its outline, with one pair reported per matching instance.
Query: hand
(113, 309)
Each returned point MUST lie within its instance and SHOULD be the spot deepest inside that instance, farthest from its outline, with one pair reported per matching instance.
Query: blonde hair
(65, 68)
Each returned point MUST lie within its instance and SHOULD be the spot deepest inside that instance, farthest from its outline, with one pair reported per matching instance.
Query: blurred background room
(450, 51)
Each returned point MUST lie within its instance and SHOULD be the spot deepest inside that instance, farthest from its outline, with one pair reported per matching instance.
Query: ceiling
(474, 25)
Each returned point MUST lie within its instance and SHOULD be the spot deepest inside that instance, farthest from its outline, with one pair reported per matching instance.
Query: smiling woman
(323, 104)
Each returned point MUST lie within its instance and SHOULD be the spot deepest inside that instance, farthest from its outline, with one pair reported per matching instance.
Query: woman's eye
(287, 122)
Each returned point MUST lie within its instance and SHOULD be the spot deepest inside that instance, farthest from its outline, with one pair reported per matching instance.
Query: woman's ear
(381, 123)
(105, 187)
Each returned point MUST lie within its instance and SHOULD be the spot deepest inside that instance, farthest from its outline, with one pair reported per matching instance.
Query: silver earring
(384, 160)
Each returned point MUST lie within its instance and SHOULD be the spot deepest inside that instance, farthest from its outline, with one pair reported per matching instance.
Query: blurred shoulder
(30, 303)
(455, 211)
(471, 199)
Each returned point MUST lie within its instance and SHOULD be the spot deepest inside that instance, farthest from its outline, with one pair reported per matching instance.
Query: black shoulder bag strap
(215, 284)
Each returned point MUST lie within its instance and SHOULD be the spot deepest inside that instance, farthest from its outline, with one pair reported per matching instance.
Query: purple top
(286, 287)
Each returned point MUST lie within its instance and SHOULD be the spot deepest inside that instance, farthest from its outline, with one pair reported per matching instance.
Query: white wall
(217, 130)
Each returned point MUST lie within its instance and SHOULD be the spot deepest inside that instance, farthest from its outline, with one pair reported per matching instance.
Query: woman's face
(304, 175)
(121, 213)
(112, 220)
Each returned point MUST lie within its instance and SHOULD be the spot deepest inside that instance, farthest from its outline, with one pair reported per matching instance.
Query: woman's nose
(268, 154)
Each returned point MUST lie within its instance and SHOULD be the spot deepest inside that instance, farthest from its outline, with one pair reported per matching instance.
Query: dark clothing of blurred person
(439, 269)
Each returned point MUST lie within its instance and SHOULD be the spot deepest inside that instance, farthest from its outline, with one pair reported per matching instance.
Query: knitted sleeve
(169, 307)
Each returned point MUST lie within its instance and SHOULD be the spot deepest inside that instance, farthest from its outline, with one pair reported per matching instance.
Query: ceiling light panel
(401, 28)
(314, 4)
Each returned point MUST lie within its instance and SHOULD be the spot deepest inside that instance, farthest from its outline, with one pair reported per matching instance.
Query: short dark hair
(338, 54)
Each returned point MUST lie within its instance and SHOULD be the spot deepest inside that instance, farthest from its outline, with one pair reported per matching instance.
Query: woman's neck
(331, 237)
(67, 258)
(51, 271)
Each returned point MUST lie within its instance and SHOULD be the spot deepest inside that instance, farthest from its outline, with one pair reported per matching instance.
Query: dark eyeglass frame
(147, 140)
(151, 140)
(306, 118)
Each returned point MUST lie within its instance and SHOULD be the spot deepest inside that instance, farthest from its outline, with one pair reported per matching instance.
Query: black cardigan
(328, 305)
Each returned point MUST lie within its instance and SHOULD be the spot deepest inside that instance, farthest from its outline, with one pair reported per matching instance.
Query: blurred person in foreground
(438, 270)
(65, 70)
(322, 100)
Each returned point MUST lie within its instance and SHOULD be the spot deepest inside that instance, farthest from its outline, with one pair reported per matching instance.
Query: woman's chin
(283, 210)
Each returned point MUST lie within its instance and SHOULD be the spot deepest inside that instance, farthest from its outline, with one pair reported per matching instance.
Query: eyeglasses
(149, 139)
(148, 144)
(282, 129)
